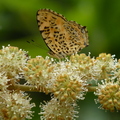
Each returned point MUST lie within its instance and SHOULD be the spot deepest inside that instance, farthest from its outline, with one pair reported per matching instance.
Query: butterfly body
(62, 37)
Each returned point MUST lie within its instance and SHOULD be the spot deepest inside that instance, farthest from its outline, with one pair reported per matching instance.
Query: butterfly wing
(61, 36)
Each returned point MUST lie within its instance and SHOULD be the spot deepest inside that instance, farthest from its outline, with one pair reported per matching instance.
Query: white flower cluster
(14, 104)
(67, 81)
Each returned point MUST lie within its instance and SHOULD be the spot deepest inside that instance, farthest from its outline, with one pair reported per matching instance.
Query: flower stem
(91, 88)
(23, 88)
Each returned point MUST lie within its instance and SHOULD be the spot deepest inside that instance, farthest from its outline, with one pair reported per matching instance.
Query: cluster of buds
(14, 103)
(67, 81)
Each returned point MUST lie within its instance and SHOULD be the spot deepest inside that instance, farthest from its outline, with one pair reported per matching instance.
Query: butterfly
(62, 37)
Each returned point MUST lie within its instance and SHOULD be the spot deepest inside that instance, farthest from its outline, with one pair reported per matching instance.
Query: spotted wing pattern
(62, 37)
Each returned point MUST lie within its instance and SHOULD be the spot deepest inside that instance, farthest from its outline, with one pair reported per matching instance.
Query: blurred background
(102, 17)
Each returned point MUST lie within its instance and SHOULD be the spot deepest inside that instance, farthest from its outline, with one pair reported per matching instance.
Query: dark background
(102, 18)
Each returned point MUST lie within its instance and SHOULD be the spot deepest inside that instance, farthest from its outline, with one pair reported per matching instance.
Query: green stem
(23, 88)
(91, 88)
(31, 88)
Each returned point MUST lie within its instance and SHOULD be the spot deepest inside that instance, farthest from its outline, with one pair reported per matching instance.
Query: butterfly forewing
(61, 36)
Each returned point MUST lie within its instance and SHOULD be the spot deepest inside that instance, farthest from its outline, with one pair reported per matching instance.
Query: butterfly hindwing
(61, 36)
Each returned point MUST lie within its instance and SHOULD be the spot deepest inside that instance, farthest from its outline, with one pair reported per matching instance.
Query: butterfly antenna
(28, 41)
(35, 44)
